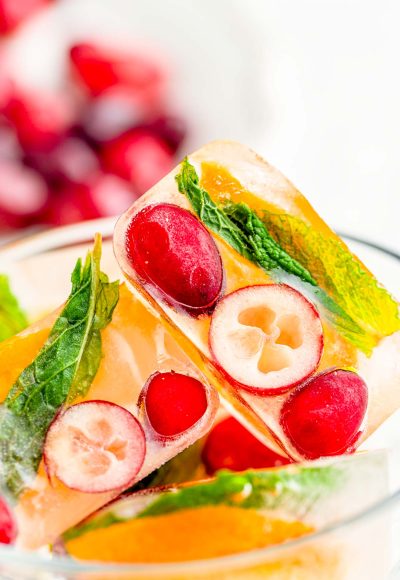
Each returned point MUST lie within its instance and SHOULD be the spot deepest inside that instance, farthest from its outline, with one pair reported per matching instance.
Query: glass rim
(70, 235)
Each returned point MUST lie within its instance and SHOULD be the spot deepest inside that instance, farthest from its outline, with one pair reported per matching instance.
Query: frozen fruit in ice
(138, 156)
(40, 119)
(101, 67)
(168, 247)
(174, 402)
(23, 194)
(13, 12)
(102, 196)
(8, 527)
(95, 446)
(325, 416)
(71, 160)
(266, 338)
(229, 445)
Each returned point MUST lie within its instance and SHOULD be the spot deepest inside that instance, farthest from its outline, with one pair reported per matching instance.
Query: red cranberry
(229, 445)
(170, 248)
(324, 416)
(174, 402)
(140, 157)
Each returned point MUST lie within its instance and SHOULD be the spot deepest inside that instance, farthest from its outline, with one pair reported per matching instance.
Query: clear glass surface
(366, 546)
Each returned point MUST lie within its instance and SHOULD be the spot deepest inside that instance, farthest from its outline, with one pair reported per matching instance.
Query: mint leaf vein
(63, 370)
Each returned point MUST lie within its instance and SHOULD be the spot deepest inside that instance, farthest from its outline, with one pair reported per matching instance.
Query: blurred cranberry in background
(23, 195)
(170, 128)
(113, 113)
(9, 145)
(230, 446)
(103, 196)
(90, 150)
(70, 161)
(117, 111)
(139, 157)
(40, 120)
(14, 12)
(100, 68)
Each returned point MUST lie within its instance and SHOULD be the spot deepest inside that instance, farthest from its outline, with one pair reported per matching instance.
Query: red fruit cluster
(91, 151)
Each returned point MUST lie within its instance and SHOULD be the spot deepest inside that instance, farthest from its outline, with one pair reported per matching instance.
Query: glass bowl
(364, 546)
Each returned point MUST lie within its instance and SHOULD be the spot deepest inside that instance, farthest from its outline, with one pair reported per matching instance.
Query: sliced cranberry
(95, 446)
(174, 402)
(266, 338)
(229, 445)
(8, 527)
(324, 416)
(140, 157)
(170, 248)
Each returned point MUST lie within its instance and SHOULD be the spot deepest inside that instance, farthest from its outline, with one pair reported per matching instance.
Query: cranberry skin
(174, 402)
(100, 68)
(139, 157)
(8, 528)
(324, 416)
(229, 445)
(170, 248)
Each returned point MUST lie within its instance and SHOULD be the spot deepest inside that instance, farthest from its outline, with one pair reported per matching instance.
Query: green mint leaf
(266, 251)
(294, 489)
(269, 255)
(297, 488)
(336, 269)
(64, 369)
(95, 523)
(12, 317)
(209, 213)
(306, 492)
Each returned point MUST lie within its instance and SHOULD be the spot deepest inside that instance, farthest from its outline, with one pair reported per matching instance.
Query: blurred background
(100, 98)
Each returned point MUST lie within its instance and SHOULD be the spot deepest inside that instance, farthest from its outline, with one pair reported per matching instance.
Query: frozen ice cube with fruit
(236, 512)
(298, 336)
(95, 397)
